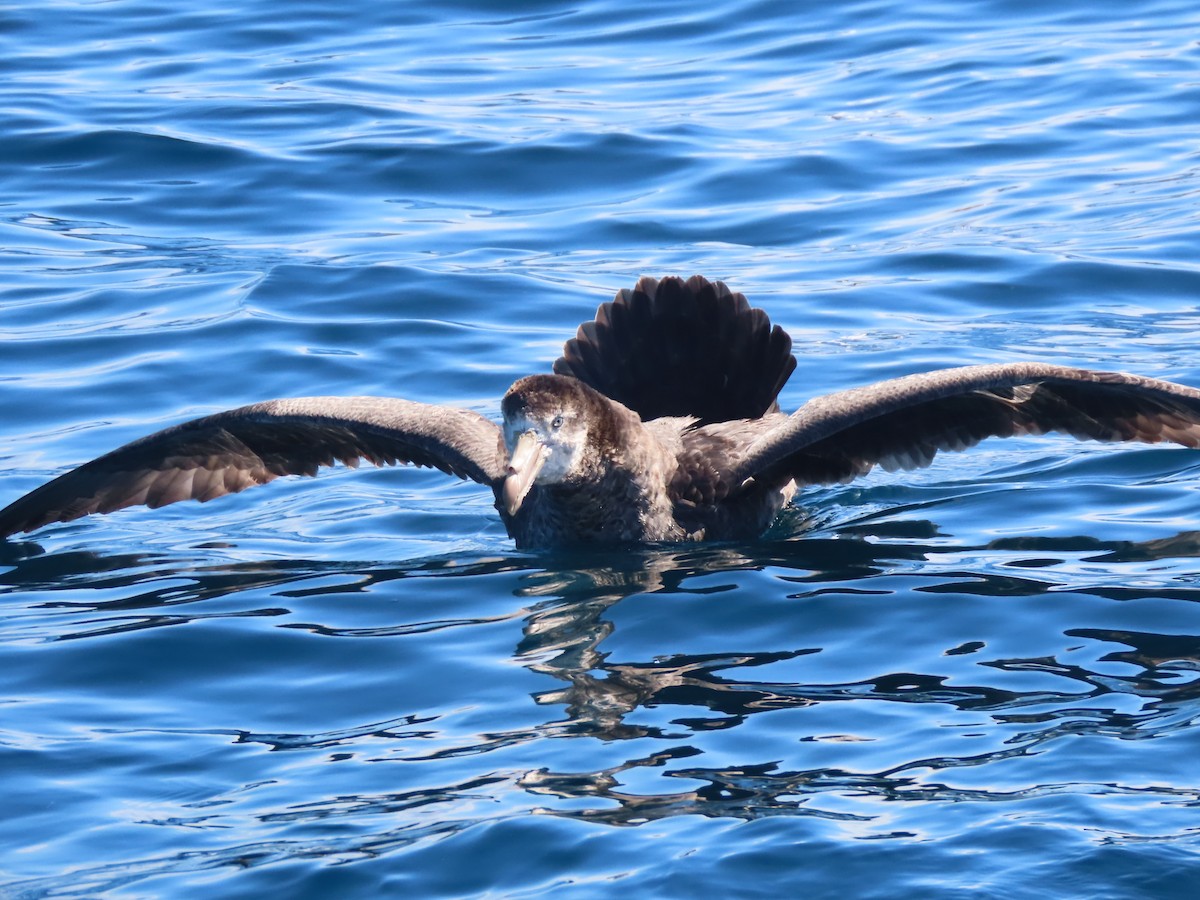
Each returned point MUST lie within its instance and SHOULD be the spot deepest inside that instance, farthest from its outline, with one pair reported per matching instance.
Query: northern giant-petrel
(660, 423)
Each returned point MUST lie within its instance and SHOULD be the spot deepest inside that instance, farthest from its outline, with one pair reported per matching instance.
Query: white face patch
(561, 435)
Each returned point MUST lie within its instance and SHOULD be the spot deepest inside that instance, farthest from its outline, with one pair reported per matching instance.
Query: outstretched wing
(902, 423)
(231, 451)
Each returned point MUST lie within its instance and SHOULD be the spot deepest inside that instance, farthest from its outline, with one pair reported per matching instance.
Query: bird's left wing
(231, 451)
(903, 422)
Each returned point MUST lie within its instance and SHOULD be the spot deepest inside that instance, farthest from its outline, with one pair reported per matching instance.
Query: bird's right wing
(230, 451)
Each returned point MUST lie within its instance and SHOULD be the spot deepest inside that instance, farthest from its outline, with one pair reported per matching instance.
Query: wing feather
(230, 451)
(904, 422)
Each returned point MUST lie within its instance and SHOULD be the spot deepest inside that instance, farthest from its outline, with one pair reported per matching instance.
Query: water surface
(976, 678)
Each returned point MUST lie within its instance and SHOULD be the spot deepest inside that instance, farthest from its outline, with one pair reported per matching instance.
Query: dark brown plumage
(661, 423)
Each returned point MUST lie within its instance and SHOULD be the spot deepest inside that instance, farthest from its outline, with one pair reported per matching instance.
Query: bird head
(550, 422)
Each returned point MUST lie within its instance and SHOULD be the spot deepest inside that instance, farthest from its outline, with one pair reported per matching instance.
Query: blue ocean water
(978, 678)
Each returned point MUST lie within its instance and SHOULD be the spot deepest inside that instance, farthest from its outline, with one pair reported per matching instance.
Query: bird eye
(557, 423)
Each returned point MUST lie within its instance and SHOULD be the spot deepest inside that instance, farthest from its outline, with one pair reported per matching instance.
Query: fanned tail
(671, 347)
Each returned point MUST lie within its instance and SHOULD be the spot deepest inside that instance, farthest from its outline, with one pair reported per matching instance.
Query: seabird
(659, 423)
